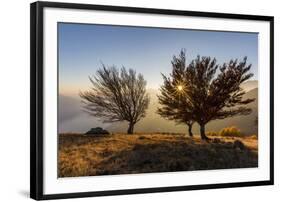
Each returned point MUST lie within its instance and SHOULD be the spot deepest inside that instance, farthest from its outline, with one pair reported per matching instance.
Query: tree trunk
(202, 132)
(190, 130)
(131, 128)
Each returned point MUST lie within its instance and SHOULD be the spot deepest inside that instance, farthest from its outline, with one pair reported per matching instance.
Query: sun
(180, 87)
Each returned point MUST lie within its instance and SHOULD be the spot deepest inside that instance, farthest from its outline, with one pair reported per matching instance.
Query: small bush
(231, 132)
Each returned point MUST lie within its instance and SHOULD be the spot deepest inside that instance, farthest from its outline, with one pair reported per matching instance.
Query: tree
(117, 96)
(209, 95)
(173, 94)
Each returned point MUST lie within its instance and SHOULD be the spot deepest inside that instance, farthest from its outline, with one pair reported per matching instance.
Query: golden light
(180, 87)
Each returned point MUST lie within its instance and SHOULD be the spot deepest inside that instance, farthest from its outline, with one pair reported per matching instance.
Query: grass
(81, 155)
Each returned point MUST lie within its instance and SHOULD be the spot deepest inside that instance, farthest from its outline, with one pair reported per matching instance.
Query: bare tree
(173, 94)
(209, 95)
(117, 96)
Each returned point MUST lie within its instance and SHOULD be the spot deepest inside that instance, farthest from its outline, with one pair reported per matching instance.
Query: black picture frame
(36, 99)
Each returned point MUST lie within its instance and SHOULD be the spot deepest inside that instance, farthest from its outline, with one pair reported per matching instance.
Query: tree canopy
(206, 94)
(173, 94)
(117, 96)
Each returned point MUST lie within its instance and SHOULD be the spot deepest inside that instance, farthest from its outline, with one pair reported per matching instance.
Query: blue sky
(82, 48)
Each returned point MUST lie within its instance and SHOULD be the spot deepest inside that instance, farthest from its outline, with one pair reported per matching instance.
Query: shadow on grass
(178, 156)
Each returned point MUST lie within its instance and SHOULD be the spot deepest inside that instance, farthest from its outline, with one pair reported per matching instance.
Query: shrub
(231, 132)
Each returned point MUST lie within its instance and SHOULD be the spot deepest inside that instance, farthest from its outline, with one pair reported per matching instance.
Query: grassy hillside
(81, 155)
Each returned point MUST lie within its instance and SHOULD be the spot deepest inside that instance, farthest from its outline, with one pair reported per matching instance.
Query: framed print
(136, 100)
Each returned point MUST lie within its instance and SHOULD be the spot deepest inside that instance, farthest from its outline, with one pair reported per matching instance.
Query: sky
(83, 47)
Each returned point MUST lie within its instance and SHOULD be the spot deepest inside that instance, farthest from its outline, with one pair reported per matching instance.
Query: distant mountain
(245, 123)
(250, 85)
(73, 119)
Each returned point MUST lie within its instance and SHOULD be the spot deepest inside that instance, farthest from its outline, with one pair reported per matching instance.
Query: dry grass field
(81, 155)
